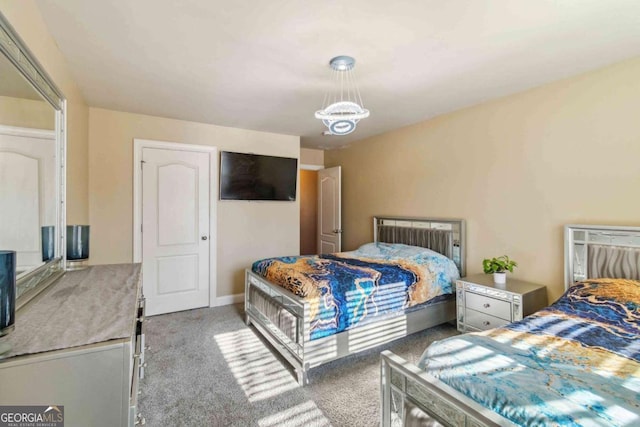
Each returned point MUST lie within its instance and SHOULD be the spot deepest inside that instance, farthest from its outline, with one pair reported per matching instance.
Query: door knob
(337, 231)
(204, 237)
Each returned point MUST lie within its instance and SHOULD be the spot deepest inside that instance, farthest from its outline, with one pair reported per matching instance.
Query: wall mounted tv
(255, 177)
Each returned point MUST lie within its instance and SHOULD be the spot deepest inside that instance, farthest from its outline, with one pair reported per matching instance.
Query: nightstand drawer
(483, 321)
(485, 304)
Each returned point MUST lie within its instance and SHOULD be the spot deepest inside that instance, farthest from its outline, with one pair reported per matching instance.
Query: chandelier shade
(342, 108)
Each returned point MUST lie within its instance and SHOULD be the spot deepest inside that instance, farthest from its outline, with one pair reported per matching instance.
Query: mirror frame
(15, 50)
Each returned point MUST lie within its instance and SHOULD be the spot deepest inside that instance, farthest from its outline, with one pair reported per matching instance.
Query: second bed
(315, 309)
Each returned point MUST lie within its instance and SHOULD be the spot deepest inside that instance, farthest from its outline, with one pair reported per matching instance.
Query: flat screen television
(256, 177)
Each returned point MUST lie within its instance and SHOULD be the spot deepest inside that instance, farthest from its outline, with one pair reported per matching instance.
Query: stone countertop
(83, 307)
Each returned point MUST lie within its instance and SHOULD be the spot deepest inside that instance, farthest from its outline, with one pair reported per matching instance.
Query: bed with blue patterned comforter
(576, 362)
(348, 289)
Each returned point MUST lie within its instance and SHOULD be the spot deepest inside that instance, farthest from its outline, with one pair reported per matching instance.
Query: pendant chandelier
(342, 108)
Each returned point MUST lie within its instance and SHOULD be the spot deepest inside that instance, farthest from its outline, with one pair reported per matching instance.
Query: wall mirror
(32, 172)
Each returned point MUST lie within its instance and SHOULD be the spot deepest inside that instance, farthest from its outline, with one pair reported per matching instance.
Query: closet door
(175, 229)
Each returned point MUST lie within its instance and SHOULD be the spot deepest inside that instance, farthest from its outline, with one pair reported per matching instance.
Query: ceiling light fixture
(342, 107)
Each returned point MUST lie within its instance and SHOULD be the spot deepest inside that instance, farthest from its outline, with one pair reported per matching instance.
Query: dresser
(80, 344)
(481, 304)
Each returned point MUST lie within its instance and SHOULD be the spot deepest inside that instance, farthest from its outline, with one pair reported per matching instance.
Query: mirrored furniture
(283, 317)
(32, 167)
(591, 252)
(69, 351)
(78, 340)
(601, 251)
(482, 304)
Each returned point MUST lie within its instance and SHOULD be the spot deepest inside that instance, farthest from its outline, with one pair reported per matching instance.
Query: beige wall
(247, 231)
(310, 156)
(26, 113)
(308, 212)
(517, 169)
(25, 17)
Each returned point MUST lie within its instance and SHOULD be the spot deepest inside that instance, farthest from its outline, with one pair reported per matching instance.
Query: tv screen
(255, 177)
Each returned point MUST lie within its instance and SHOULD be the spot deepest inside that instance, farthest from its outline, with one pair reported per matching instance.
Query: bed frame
(283, 318)
(590, 252)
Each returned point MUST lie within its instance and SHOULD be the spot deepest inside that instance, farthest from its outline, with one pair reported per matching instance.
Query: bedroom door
(175, 229)
(329, 210)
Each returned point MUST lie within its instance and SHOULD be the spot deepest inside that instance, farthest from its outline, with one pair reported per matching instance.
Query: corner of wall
(311, 156)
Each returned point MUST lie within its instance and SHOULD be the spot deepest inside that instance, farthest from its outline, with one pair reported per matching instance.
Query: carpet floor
(207, 368)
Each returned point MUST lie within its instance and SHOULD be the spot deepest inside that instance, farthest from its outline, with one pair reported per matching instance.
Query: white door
(175, 229)
(329, 210)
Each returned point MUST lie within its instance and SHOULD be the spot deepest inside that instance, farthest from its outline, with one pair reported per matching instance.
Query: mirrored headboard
(445, 236)
(32, 158)
(596, 251)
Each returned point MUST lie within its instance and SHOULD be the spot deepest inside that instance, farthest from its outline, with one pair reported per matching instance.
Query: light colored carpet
(206, 368)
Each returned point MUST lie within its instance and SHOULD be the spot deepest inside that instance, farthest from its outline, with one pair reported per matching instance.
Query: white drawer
(492, 306)
(483, 321)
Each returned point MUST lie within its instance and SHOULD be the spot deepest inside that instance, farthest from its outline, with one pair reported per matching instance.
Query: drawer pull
(486, 323)
(486, 305)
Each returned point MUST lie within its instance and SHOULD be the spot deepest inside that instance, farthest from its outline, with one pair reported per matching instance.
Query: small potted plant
(499, 267)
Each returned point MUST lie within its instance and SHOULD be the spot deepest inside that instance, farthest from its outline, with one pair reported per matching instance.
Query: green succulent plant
(498, 265)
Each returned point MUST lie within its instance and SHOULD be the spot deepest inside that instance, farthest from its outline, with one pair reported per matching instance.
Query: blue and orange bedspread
(576, 362)
(347, 289)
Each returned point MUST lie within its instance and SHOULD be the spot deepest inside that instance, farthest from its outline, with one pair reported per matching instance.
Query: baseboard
(229, 299)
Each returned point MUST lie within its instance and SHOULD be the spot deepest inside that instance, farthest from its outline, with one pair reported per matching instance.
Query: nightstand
(482, 304)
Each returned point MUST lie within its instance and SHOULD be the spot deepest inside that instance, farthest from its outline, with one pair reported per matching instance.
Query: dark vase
(48, 242)
(7, 291)
(77, 242)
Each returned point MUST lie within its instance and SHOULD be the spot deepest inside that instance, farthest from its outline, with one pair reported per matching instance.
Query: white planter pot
(500, 278)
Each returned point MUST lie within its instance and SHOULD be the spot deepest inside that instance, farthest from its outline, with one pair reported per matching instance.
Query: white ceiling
(263, 65)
